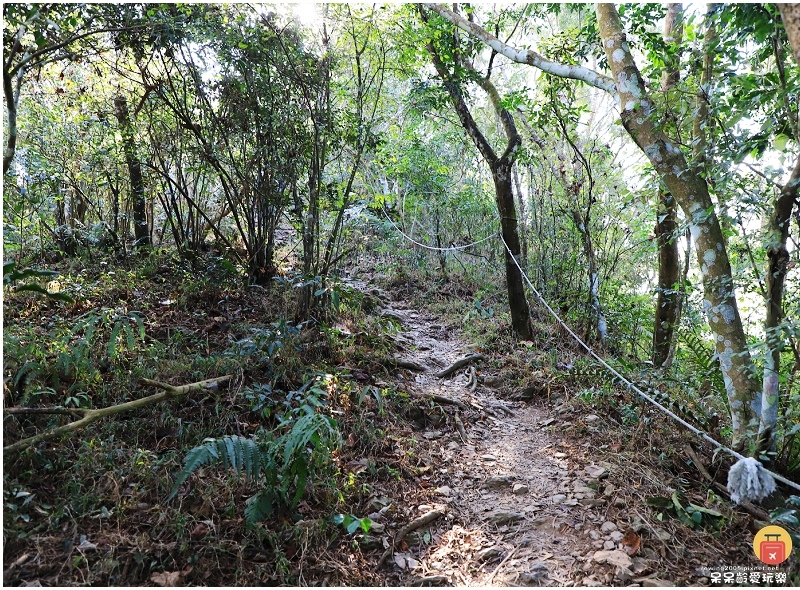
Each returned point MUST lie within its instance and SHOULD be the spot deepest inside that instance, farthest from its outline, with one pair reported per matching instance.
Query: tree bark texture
(138, 202)
(691, 193)
(668, 297)
(790, 14)
(11, 111)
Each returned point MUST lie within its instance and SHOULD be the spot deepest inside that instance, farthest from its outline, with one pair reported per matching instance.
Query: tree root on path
(460, 427)
(475, 357)
(472, 380)
(439, 399)
(89, 416)
(426, 518)
(496, 409)
(404, 364)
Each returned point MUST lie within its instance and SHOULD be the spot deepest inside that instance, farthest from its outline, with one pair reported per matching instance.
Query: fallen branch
(75, 412)
(426, 518)
(435, 580)
(698, 463)
(460, 363)
(440, 399)
(497, 569)
(89, 416)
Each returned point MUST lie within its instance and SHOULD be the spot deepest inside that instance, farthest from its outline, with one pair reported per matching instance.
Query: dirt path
(519, 510)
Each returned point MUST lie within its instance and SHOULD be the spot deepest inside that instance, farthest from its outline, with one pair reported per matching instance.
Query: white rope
(448, 249)
(630, 385)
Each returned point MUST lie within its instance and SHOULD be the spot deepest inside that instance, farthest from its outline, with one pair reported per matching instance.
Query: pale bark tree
(685, 184)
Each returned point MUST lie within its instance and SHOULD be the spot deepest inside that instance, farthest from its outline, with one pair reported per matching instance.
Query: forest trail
(522, 504)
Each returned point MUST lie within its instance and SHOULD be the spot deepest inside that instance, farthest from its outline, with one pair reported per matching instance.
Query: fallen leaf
(631, 542)
(166, 578)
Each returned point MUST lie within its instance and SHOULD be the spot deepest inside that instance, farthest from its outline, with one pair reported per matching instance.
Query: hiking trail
(520, 505)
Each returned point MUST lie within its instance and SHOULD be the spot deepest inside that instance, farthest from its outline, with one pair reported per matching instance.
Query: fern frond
(241, 454)
(260, 506)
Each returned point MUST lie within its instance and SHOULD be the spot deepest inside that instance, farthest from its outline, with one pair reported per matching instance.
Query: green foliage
(72, 356)
(283, 461)
(691, 515)
(352, 523)
(12, 275)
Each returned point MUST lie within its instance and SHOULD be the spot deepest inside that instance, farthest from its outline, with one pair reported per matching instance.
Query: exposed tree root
(472, 381)
(440, 399)
(426, 518)
(460, 427)
(89, 416)
(404, 364)
(475, 357)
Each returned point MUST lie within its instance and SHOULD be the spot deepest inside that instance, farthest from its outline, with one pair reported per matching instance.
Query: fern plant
(283, 464)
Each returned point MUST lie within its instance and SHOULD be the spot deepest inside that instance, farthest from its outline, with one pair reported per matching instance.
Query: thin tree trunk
(504, 192)
(504, 196)
(687, 255)
(138, 202)
(12, 99)
(666, 215)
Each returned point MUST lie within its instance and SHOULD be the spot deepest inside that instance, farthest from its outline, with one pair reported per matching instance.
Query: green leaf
(788, 516)
(708, 511)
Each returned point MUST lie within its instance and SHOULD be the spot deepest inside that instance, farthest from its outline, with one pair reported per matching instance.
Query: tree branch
(89, 416)
(524, 56)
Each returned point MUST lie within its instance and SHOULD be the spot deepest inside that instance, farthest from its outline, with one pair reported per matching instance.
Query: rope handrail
(421, 245)
(630, 385)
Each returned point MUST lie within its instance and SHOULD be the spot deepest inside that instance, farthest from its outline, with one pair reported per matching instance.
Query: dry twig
(426, 518)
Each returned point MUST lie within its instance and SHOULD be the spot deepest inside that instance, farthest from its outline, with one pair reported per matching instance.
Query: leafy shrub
(283, 463)
(72, 354)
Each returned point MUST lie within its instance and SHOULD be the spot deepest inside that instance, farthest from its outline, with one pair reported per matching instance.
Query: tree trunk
(503, 183)
(523, 224)
(12, 99)
(668, 276)
(504, 196)
(666, 216)
(138, 202)
(690, 192)
(777, 260)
